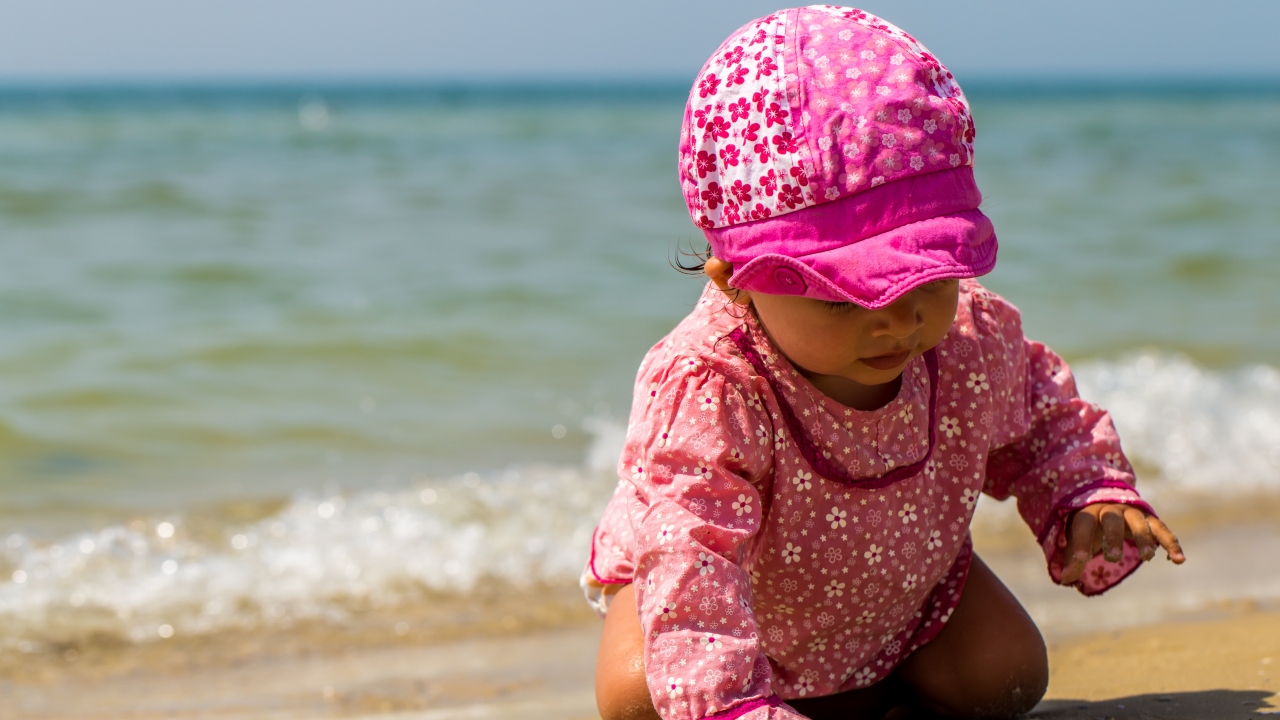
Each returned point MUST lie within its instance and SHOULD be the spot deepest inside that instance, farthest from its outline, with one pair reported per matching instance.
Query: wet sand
(1225, 668)
(1188, 643)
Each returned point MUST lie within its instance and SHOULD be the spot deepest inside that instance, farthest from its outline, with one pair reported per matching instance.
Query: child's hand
(1104, 527)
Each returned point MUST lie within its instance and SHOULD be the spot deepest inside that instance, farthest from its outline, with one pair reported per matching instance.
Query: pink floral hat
(826, 153)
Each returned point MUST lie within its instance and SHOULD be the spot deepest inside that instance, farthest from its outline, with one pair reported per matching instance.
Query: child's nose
(900, 320)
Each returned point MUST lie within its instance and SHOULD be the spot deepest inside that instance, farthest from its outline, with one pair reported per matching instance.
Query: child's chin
(866, 375)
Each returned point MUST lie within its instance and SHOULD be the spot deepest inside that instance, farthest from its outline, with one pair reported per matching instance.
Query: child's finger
(1141, 531)
(1113, 533)
(1079, 545)
(1167, 540)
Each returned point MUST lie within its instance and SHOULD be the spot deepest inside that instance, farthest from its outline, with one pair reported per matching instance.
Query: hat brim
(875, 271)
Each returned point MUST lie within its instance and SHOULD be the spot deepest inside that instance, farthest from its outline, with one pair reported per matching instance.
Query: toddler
(789, 538)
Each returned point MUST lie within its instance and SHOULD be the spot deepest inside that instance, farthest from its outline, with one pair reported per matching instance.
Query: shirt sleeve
(699, 459)
(1054, 452)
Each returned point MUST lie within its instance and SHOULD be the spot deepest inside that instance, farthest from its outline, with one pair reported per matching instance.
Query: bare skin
(989, 661)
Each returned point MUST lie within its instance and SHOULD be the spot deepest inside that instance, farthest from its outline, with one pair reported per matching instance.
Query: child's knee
(621, 690)
(1006, 686)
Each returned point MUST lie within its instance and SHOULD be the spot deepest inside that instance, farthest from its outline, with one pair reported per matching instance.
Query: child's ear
(719, 273)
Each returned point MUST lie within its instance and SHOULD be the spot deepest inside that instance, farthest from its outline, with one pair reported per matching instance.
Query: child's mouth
(886, 362)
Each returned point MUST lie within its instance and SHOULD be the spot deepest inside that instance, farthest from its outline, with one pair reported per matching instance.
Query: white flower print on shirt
(804, 686)
(762, 435)
(673, 687)
(779, 440)
(834, 589)
(969, 498)
(711, 643)
(703, 470)
(866, 617)
(743, 505)
(977, 382)
(664, 437)
(637, 472)
(753, 402)
(708, 401)
(653, 391)
(864, 677)
(791, 553)
(666, 533)
(874, 553)
(703, 564)
(935, 540)
(907, 513)
(667, 611)
(836, 517)
(910, 582)
(801, 480)
(692, 364)
(950, 426)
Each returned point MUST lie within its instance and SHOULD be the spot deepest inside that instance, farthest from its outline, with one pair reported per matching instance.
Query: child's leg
(988, 662)
(621, 691)
(622, 694)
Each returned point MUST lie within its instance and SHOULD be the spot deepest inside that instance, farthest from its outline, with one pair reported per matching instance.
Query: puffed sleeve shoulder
(699, 459)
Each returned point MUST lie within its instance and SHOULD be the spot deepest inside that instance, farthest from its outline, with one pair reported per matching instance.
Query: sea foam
(1201, 431)
(1194, 430)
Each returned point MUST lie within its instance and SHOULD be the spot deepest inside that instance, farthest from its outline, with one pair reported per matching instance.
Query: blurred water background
(266, 352)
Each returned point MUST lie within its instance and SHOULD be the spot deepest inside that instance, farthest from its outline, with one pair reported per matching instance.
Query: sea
(273, 353)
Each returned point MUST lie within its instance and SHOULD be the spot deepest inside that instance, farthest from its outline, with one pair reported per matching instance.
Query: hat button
(790, 280)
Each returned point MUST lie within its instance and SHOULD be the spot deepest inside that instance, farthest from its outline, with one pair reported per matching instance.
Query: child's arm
(1058, 455)
(699, 460)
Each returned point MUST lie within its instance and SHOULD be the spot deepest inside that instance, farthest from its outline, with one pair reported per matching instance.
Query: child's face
(869, 347)
(848, 341)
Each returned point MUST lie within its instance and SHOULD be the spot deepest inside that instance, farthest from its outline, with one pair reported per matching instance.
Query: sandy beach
(1222, 669)
(1190, 642)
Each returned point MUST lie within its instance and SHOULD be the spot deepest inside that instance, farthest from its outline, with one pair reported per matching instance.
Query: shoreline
(1223, 668)
(1186, 633)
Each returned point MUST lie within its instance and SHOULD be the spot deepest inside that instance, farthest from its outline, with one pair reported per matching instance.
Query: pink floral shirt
(783, 545)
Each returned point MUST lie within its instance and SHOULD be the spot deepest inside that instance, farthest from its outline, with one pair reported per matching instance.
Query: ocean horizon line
(556, 89)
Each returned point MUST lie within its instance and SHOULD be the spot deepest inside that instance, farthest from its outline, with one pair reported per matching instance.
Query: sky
(264, 40)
